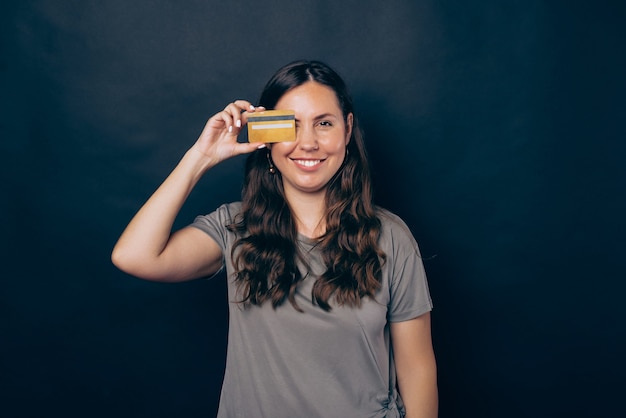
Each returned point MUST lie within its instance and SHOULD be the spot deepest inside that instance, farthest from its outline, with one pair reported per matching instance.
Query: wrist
(196, 163)
(200, 159)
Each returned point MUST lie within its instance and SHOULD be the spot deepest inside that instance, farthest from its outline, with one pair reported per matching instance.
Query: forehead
(310, 97)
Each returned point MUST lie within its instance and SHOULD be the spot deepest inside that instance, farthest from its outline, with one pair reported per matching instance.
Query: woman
(329, 305)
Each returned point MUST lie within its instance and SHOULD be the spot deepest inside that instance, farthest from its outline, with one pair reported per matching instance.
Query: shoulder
(226, 212)
(216, 221)
(395, 233)
(392, 223)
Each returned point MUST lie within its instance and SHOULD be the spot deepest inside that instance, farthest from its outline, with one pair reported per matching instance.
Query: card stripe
(272, 126)
(253, 119)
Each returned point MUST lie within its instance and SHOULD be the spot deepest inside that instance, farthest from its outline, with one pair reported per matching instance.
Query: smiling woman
(308, 164)
(329, 303)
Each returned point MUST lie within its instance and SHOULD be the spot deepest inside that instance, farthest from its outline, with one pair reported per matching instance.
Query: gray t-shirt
(285, 363)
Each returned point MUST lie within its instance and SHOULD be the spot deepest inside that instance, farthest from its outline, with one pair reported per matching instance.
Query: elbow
(125, 261)
(139, 265)
(119, 260)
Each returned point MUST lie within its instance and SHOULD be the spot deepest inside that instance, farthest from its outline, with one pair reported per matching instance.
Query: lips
(307, 163)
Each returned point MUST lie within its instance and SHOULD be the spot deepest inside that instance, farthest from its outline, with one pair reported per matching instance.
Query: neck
(309, 211)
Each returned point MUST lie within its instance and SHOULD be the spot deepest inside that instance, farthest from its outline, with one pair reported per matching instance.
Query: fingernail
(251, 107)
(238, 123)
(261, 146)
(230, 128)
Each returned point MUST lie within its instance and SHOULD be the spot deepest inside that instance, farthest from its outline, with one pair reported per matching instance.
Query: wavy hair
(266, 253)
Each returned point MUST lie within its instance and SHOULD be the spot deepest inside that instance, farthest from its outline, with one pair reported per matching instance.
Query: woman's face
(308, 164)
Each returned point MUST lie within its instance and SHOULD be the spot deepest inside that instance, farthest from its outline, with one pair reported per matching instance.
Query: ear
(349, 123)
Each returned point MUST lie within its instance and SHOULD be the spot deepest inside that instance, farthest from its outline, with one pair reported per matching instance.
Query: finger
(257, 109)
(252, 109)
(219, 120)
(248, 147)
(235, 110)
(243, 105)
(227, 118)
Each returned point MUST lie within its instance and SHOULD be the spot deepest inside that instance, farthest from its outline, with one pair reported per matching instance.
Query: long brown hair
(266, 255)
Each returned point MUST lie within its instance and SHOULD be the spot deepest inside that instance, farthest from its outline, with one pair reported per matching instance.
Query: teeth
(308, 163)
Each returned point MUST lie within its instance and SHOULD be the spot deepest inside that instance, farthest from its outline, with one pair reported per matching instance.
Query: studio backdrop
(495, 130)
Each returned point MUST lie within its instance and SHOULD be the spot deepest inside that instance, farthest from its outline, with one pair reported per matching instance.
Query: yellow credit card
(272, 126)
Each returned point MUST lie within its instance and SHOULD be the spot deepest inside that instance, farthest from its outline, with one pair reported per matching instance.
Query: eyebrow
(322, 116)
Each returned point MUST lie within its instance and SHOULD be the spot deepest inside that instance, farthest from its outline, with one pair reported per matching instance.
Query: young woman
(329, 304)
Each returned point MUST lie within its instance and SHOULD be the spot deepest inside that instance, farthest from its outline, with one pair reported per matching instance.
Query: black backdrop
(495, 128)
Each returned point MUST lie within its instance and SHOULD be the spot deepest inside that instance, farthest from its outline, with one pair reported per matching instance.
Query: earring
(269, 161)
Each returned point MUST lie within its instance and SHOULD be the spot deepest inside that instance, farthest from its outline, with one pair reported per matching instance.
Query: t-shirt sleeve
(214, 224)
(408, 288)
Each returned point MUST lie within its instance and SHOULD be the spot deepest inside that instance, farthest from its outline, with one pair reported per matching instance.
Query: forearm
(419, 394)
(416, 366)
(146, 236)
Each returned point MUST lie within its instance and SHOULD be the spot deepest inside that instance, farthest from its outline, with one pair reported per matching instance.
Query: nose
(306, 139)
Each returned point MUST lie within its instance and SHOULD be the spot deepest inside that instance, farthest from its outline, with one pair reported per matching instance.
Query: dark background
(495, 129)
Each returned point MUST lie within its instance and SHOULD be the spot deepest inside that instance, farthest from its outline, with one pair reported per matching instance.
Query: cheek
(334, 143)
(282, 148)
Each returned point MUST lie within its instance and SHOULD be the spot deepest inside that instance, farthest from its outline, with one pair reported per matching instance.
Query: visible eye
(326, 123)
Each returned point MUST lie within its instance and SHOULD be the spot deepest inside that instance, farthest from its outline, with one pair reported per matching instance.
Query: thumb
(248, 147)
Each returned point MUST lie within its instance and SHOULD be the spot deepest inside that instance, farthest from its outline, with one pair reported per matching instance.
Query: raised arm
(416, 366)
(147, 248)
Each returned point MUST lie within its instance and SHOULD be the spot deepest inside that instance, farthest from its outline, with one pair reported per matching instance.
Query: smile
(307, 163)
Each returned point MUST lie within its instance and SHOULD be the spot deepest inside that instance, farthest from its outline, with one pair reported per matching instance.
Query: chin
(311, 188)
